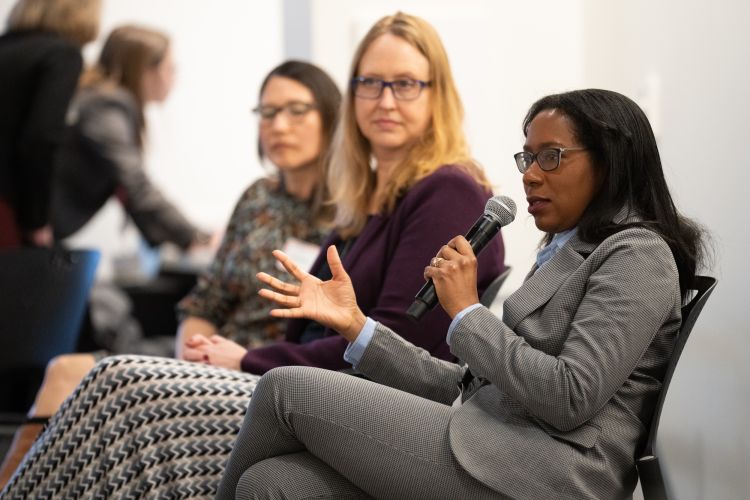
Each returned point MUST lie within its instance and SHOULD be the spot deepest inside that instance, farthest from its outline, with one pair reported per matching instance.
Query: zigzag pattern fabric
(138, 427)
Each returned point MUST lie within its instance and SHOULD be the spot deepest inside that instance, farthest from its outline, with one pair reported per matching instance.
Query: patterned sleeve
(211, 298)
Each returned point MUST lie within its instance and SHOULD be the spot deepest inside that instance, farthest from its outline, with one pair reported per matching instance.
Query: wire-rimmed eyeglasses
(547, 159)
(296, 110)
(404, 89)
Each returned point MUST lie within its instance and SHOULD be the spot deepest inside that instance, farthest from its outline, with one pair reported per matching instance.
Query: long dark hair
(327, 98)
(623, 149)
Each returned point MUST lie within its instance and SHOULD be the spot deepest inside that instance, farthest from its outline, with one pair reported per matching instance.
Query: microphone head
(501, 208)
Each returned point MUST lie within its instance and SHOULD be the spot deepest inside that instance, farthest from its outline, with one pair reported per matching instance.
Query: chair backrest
(703, 285)
(489, 295)
(43, 296)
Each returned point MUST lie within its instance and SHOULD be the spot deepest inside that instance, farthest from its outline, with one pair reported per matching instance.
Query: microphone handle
(483, 230)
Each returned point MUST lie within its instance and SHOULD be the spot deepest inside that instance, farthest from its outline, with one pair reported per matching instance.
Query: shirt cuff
(355, 350)
(457, 318)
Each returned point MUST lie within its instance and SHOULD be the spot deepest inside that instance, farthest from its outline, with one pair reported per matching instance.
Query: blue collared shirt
(545, 254)
(558, 241)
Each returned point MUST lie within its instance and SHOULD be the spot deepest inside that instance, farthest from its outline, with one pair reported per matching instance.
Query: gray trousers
(312, 433)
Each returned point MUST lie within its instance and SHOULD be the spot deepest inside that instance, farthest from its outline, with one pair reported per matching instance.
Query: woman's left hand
(454, 273)
(214, 351)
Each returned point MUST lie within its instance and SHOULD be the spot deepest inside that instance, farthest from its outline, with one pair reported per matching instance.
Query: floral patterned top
(264, 218)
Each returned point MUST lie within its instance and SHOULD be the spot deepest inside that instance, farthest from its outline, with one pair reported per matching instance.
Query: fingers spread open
(334, 262)
(276, 283)
(280, 298)
(289, 265)
(287, 313)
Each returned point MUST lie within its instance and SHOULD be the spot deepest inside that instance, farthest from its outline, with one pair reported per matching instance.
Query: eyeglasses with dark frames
(547, 159)
(404, 89)
(296, 110)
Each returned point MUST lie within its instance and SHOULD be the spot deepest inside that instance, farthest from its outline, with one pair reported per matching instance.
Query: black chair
(653, 484)
(44, 295)
(489, 295)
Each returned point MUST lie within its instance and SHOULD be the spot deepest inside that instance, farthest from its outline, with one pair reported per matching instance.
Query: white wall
(699, 52)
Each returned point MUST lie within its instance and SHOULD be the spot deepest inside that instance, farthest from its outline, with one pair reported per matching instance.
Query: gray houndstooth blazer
(574, 369)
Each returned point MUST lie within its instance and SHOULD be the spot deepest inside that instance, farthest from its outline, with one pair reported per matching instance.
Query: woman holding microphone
(556, 395)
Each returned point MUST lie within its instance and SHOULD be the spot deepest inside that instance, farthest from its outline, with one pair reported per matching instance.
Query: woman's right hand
(331, 303)
(191, 326)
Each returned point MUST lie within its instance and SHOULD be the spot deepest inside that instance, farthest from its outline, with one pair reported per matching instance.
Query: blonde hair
(350, 176)
(75, 20)
(127, 53)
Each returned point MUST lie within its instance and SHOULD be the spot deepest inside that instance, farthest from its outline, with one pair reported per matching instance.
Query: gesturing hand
(331, 303)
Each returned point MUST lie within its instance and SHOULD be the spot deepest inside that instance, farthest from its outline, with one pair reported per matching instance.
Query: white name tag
(303, 253)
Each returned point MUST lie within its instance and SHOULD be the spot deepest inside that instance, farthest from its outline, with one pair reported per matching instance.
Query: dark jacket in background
(38, 76)
(386, 264)
(101, 156)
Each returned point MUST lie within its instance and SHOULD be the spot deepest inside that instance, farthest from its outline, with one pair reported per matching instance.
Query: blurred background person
(40, 63)
(102, 154)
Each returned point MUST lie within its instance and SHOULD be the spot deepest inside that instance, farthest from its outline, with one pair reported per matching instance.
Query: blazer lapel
(542, 283)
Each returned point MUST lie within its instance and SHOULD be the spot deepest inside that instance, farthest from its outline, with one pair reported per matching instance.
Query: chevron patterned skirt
(138, 427)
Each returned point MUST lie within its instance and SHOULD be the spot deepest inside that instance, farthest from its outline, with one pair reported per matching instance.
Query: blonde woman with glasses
(401, 181)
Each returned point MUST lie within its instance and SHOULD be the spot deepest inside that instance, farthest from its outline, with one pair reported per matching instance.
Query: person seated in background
(102, 153)
(297, 113)
(40, 63)
(401, 181)
(556, 396)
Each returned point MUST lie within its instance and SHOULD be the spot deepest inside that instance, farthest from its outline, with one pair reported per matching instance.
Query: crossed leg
(315, 433)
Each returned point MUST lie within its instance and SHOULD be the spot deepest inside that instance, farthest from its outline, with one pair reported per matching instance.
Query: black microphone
(499, 211)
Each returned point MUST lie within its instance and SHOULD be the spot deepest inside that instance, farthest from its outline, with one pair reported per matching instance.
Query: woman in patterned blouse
(297, 114)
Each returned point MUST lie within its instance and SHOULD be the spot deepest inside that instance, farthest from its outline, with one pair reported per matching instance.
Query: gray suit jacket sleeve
(110, 129)
(392, 361)
(628, 295)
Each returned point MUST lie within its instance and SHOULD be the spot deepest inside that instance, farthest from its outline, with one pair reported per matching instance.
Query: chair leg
(652, 481)
(22, 441)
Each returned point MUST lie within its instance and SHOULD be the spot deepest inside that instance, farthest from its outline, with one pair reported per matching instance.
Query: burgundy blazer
(386, 264)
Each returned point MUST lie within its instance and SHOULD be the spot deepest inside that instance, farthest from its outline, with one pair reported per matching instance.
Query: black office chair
(489, 295)
(44, 295)
(653, 484)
